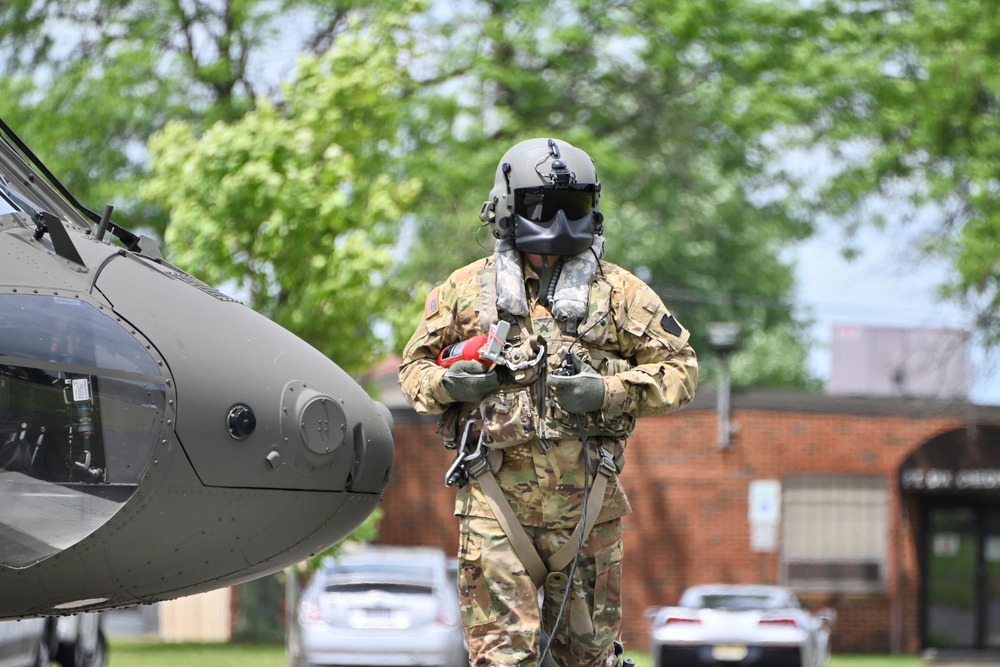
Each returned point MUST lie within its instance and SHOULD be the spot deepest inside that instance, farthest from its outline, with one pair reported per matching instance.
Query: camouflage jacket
(628, 337)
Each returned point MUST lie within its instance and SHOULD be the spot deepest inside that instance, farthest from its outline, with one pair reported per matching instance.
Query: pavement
(961, 658)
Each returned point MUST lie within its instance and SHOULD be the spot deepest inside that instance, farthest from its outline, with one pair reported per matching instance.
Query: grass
(876, 661)
(643, 660)
(152, 653)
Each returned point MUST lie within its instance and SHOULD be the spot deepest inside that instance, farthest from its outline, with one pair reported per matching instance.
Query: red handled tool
(484, 349)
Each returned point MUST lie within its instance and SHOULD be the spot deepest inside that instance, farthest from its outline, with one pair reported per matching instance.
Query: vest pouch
(562, 424)
(452, 422)
(447, 426)
(508, 418)
(594, 424)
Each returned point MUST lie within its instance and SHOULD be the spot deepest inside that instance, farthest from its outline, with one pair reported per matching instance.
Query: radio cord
(567, 367)
(579, 545)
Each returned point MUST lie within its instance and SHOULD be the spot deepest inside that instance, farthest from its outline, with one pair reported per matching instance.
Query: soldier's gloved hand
(583, 392)
(468, 381)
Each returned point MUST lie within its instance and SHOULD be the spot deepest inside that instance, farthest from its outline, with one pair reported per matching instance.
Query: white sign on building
(764, 514)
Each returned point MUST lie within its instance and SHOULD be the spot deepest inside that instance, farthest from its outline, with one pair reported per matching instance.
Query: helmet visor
(541, 204)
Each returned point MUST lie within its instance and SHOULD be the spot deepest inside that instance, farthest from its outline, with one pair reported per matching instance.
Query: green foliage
(258, 615)
(645, 90)
(87, 84)
(366, 533)
(902, 98)
(297, 206)
(292, 195)
(693, 111)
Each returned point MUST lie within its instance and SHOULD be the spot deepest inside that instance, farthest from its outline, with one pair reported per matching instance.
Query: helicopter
(157, 438)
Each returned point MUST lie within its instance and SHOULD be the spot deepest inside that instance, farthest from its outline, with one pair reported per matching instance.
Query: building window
(835, 533)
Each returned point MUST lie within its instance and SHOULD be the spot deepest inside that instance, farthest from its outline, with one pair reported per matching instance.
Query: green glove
(583, 392)
(468, 382)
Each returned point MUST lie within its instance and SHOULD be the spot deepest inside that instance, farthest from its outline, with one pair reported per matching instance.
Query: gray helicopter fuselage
(157, 438)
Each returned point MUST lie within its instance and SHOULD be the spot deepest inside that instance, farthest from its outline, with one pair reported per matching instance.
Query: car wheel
(74, 655)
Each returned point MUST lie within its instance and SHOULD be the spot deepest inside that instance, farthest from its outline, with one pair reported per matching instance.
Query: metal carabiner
(527, 364)
(456, 474)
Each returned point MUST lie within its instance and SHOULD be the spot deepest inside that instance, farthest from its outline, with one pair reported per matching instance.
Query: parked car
(72, 641)
(726, 624)
(381, 606)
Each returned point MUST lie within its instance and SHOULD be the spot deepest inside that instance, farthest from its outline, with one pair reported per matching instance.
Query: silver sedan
(381, 606)
(727, 624)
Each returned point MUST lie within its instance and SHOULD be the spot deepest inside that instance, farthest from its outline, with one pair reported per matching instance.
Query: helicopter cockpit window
(81, 410)
(6, 206)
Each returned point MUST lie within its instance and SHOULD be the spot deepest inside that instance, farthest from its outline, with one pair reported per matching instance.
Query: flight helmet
(546, 197)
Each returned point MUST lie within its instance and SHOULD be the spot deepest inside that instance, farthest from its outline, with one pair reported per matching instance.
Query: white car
(381, 606)
(728, 624)
(72, 641)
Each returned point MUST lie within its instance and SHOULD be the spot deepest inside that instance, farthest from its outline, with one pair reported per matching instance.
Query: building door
(991, 585)
(962, 577)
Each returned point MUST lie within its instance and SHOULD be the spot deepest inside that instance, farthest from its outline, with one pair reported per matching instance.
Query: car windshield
(741, 601)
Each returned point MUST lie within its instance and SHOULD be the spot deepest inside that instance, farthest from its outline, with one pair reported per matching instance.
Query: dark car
(72, 641)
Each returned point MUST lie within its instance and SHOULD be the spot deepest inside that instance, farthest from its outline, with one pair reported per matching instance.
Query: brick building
(885, 509)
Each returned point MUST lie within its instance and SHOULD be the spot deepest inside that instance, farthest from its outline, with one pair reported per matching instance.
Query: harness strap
(519, 540)
(605, 469)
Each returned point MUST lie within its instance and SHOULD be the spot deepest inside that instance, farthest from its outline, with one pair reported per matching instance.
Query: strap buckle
(477, 462)
(606, 465)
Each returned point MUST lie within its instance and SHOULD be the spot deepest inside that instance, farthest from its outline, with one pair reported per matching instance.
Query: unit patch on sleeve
(431, 305)
(671, 325)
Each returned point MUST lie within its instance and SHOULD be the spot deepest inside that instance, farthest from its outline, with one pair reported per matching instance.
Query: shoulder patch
(671, 325)
(431, 304)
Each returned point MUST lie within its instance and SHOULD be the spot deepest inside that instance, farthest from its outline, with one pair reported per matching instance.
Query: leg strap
(519, 540)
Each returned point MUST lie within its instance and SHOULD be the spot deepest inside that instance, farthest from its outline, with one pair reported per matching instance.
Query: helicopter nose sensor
(317, 419)
(241, 422)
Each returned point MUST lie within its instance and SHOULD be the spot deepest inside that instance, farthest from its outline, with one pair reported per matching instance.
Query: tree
(902, 99)
(297, 205)
(652, 93)
(635, 85)
(87, 84)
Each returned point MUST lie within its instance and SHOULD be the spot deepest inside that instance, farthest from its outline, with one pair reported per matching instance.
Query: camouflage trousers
(500, 604)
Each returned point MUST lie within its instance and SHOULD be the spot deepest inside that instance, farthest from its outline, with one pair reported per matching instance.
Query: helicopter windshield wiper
(130, 240)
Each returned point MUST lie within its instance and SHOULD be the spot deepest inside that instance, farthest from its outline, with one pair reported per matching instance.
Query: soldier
(590, 348)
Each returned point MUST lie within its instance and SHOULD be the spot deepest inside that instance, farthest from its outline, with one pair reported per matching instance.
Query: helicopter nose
(256, 406)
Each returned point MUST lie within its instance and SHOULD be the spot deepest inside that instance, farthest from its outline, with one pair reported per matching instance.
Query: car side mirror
(827, 616)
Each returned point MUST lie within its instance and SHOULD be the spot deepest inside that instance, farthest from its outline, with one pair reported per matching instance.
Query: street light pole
(723, 338)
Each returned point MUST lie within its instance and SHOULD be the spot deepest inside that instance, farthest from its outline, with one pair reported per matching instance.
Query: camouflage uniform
(630, 338)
